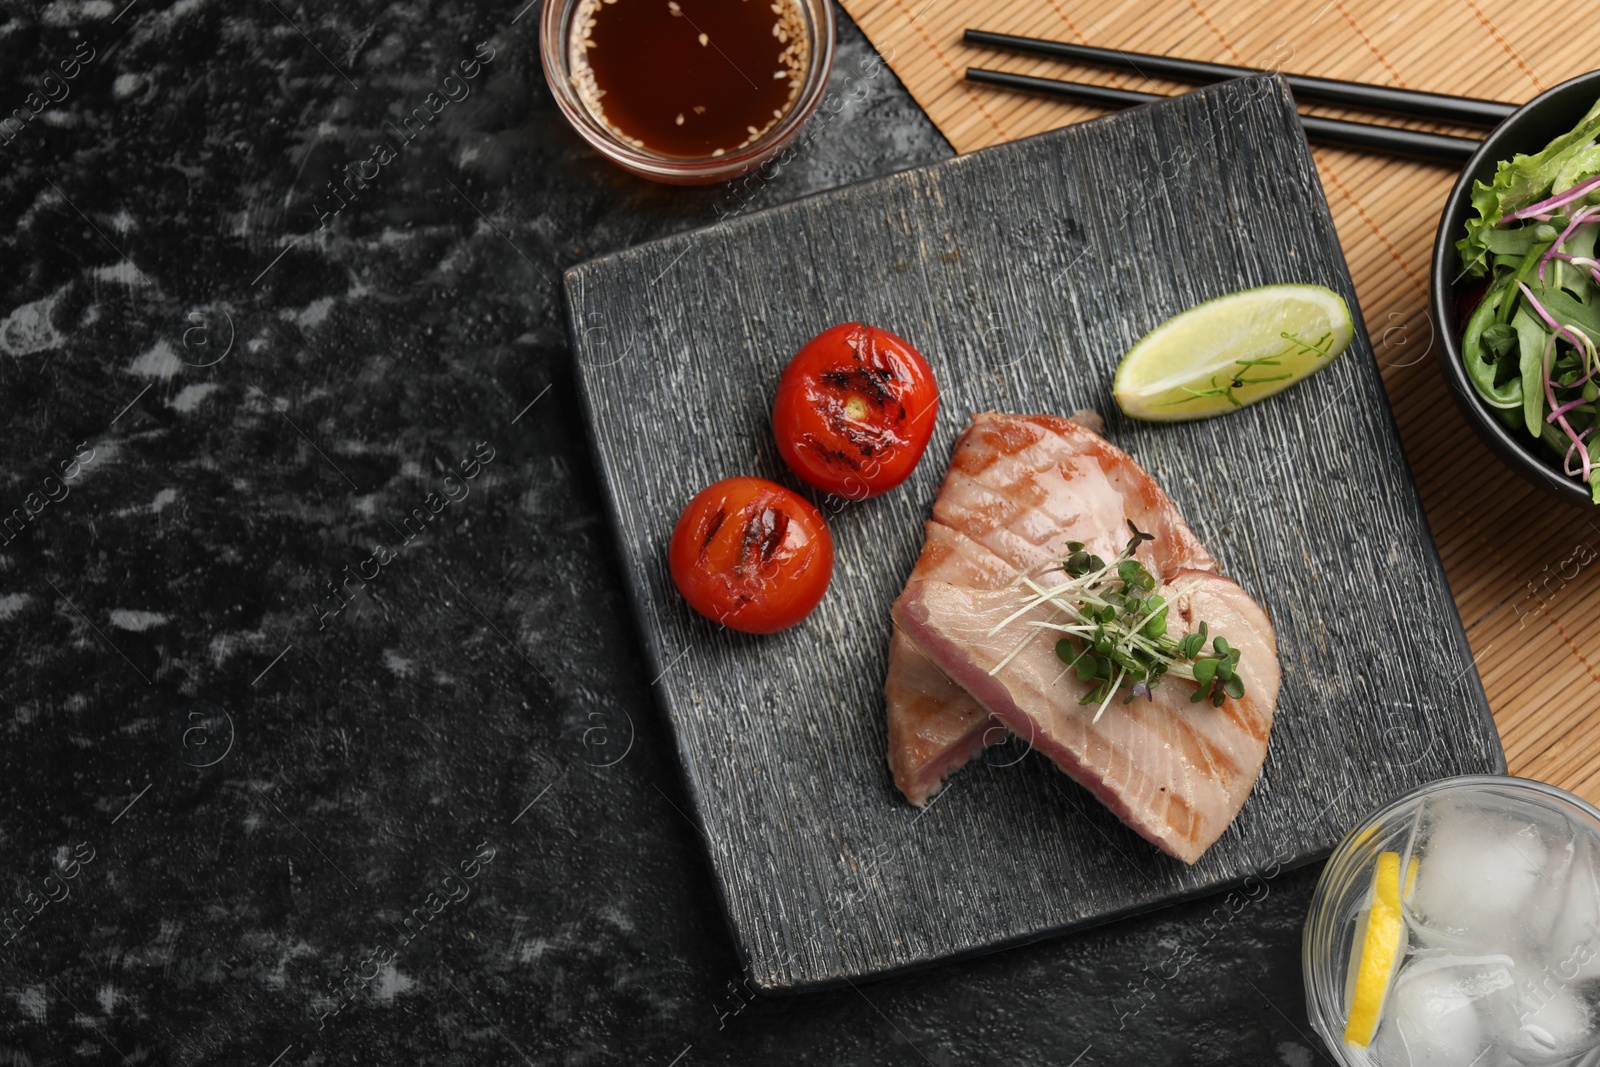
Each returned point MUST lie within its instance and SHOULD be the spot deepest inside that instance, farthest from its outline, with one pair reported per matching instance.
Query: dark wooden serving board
(1023, 272)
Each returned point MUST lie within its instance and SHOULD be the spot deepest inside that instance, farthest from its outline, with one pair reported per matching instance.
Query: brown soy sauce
(689, 78)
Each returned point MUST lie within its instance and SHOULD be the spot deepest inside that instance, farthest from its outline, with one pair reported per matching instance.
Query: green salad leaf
(1522, 180)
(1530, 364)
(1580, 164)
(1499, 341)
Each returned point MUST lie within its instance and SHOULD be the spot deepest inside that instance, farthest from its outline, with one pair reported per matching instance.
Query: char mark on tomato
(867, 440)
(764, 532)
(848, 461)
(712, 527)
(868, 382)
(867, 434)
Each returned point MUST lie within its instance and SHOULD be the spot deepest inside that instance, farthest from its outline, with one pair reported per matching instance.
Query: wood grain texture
(1517, 562)
(1022, 272)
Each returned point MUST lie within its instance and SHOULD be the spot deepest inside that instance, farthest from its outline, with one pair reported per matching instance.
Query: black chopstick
(1435, 147)
(1459, 109)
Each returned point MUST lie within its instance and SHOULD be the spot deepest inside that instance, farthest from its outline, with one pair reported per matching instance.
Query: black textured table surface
(327, 735)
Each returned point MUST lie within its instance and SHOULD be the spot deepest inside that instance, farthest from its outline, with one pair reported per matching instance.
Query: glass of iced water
(1460, 927)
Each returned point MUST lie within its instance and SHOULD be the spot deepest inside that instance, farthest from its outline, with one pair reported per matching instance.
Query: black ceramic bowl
(1529, 129)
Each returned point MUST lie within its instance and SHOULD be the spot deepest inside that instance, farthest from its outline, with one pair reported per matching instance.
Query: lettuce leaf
(1524, 179)
(1580, 165)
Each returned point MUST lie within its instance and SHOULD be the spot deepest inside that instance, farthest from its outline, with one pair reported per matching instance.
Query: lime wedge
(1232, 351)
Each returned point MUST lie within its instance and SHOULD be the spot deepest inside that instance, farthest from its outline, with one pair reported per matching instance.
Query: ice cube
(1572, 948)
(1445, 1011)
(1564, 852)
(1553, 1029)
(1477, 873)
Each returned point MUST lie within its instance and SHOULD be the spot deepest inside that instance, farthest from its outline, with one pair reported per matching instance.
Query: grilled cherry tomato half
(752, 555)
(854, 411)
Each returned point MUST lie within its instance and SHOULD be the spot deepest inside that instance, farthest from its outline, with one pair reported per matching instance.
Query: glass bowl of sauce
(687, 91)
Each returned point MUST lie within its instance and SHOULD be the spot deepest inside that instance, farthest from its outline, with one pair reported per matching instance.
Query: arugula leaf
(1524, 180)
(1531, 341)
(1499, 341)
(1515, 241)
(1568, 310)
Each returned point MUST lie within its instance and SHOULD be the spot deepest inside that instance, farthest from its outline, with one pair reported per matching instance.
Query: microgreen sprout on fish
(1114, 627)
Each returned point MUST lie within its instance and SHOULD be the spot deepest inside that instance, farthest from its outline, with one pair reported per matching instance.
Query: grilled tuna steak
(1176, 772)
(1018, 489)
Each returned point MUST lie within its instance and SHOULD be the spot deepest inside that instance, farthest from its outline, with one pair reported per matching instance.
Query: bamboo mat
(1525, 570)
